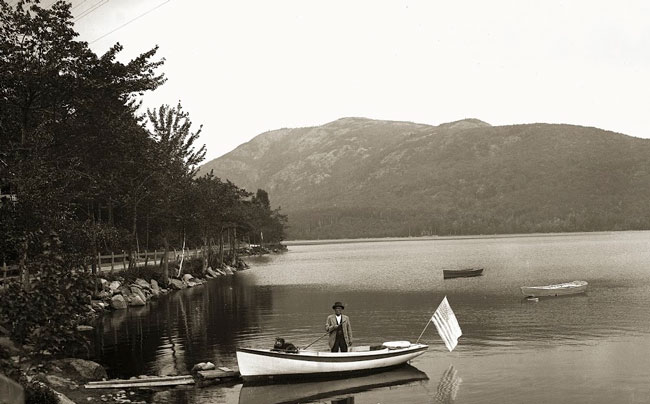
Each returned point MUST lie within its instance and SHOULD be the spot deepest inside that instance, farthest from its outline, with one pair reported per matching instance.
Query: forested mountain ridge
(357, 177)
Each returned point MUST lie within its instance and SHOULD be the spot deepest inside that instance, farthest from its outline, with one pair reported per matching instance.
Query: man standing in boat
(339, 329)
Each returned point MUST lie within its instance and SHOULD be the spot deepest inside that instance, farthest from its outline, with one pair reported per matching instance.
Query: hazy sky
(241, 68)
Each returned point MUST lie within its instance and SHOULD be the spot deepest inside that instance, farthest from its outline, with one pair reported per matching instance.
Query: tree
(178, 160)
(267, 225)
(66, 118)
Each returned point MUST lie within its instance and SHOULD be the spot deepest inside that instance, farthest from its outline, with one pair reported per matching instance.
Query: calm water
(591, 348)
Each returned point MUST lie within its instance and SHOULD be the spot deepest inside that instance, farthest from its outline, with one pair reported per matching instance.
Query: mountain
(358, 177)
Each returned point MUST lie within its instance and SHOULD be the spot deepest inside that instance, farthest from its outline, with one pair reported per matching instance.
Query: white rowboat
(561, 289)
(260, 363)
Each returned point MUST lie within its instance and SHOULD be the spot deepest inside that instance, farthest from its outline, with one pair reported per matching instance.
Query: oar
(316, 340)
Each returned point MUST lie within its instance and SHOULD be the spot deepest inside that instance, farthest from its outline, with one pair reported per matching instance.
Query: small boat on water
(302, 391)
(560, 289)
(267, 363)
(461, 273)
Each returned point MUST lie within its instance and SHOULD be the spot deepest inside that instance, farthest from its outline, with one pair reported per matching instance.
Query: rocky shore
(65, 378)
(118, 294)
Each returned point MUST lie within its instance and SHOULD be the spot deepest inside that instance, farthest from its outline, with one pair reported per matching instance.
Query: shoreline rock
(65, 377)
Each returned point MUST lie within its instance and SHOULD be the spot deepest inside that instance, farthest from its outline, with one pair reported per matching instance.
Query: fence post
(124, 260)
(99, 263)
(146, 258)
(155, 256)
(112, 262)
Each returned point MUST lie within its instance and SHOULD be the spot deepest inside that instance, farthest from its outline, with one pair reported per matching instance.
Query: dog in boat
(282, 346)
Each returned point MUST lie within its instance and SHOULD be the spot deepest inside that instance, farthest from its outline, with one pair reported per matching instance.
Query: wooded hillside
(357, 177)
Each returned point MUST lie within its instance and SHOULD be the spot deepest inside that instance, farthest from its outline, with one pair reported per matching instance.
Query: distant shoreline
(428, 238)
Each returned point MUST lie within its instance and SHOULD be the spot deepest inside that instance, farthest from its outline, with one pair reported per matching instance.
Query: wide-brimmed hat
(338, 304)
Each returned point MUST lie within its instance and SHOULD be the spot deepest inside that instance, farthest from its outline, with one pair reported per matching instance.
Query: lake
(589, 348)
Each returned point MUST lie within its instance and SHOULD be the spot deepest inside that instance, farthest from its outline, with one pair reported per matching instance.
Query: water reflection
(172, 334)
(448, 386)
(588, 348)
(328, 389)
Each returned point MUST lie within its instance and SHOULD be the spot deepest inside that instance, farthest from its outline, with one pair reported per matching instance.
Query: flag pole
(422, 333)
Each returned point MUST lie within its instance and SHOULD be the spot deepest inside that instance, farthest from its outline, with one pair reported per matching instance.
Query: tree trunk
(133, 245)
(204, 256)
(166, 261)
(211, 259)
(94, 268)
(146, 242)
(110, 211)
(134, 224)
(221, 249)
(234, 247)
(22, 265)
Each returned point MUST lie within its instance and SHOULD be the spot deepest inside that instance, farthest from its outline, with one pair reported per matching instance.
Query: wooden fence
(118, 262)
(9, 271)
(113, 261)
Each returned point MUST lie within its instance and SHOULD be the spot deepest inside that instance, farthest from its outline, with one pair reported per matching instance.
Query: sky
(241, 68)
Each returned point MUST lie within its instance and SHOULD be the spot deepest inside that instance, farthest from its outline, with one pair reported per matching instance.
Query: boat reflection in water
(448, 386)
(297, 392)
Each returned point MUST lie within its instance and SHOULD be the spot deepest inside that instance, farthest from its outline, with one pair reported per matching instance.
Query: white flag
(447, 325)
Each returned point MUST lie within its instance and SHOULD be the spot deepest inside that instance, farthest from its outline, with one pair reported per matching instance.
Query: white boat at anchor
(266, 363)
(560, 289)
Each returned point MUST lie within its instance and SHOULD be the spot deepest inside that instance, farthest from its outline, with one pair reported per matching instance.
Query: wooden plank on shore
(142, 382)
(139, 385)
(141, 379)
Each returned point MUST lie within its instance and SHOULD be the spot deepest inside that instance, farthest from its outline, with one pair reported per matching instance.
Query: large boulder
(118, 302)
(155, 289)
(10, 391)
(104, 284)
(203, 366)
(212, 273)
(62, 398)
(114, 286)
(124, 290)
(187, 277)
(60, 382)
(143, 284)
(84, 369)
(135, 290)
(98, 305)
(176, 284)
(136, 300)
